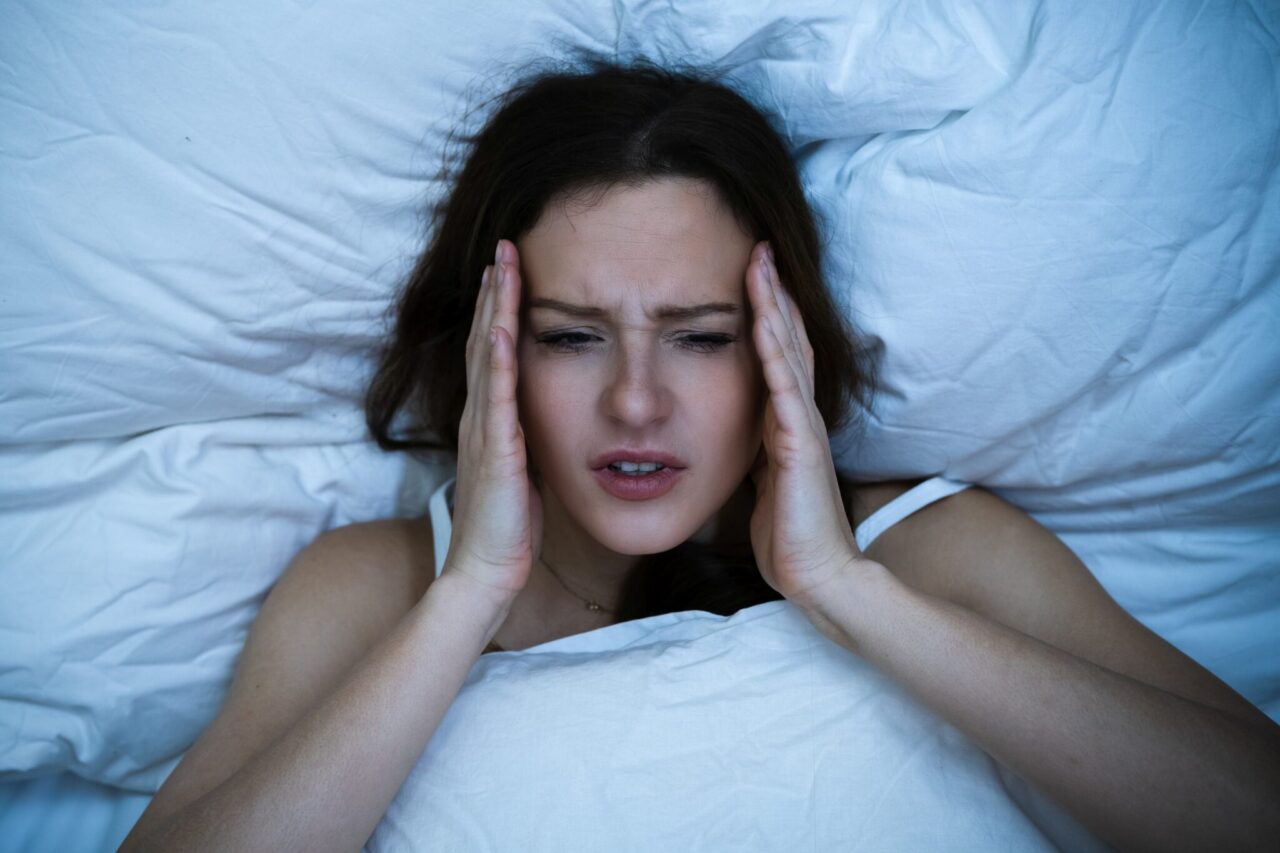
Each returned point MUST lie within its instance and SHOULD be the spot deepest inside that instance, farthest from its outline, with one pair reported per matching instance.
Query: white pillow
(1072, 287)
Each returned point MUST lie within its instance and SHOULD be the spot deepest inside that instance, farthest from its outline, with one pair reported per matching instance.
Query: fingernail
(768, 250)
(497, 253)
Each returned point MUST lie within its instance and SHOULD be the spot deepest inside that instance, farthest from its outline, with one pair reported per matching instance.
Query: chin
(638, 537)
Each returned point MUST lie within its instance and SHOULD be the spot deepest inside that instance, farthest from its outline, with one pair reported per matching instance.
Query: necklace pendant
(591, 605)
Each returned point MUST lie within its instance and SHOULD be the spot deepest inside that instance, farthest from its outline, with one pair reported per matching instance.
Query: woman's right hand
(497, 518)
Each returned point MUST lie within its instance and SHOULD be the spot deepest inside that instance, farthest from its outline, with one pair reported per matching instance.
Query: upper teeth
(631, 467)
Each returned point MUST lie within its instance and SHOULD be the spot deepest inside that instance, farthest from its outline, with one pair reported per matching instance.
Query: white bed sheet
(62, 813)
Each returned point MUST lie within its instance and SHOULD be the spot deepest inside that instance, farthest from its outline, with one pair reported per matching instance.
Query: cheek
(551, 405)
(731, 397)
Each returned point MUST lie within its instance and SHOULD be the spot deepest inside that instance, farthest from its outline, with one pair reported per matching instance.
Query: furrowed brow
(662, 312)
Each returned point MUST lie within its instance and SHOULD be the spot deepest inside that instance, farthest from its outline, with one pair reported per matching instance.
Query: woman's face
(605, 369)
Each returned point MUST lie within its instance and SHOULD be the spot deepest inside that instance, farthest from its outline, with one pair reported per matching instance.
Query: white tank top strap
(439, 507)
(915, 498)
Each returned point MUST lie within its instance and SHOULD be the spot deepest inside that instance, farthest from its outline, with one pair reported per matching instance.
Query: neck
(584, 565)
(598, 573)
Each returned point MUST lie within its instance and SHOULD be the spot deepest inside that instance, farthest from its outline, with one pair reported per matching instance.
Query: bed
(1056, 224)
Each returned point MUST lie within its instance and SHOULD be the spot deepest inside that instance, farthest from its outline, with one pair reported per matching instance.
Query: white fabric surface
(692, 731)
(918, 496)
(1058, 223)
(66, 814)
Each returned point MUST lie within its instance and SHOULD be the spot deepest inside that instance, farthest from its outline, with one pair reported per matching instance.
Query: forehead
(665, 243)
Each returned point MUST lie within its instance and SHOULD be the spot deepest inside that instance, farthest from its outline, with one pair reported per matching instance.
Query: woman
(654, 298)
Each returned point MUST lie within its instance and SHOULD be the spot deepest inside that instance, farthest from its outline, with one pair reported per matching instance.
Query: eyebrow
(662, 312)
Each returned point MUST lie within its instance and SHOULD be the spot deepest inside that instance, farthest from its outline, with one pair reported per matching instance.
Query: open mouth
(632, 482)
(636, 469)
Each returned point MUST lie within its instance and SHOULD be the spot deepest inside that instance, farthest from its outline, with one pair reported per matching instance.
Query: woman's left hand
(799, 530)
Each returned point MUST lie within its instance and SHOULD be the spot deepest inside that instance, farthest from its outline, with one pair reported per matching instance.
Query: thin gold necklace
(590, 605)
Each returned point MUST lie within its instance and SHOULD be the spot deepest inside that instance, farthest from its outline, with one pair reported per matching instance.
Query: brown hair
(589, 127)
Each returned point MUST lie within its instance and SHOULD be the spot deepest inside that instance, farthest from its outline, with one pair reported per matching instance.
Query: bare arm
(326, 782)
(1143, 768)
(1003, 632)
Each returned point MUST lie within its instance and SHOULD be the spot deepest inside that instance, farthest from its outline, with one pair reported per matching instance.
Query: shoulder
(982, 553)
(338, 598)
(913, 548)
(977, 550)
(360, 579)
(863, 499)
(392, 559)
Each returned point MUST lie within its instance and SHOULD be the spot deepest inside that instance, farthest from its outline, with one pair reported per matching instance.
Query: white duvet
(695, 732)
(1057, 223)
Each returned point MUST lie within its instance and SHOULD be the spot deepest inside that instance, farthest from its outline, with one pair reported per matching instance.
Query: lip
(644, 488)
(636, 454)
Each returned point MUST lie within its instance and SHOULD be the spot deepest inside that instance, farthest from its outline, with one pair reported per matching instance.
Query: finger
(800, 337)
(765, 299)
(502, 420)
(806, 348)
(500, 270)
(475, 339)
(485, 310)
(790, 316)
(477, 355)
(779, 295)
(506, 311)
(503, 377)
(786, 392)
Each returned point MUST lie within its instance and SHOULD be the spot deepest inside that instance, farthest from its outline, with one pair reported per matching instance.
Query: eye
(560, 342)
(578, 341)
(706, 343)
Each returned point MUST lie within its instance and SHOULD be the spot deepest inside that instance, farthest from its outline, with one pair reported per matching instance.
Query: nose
(637, 395)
